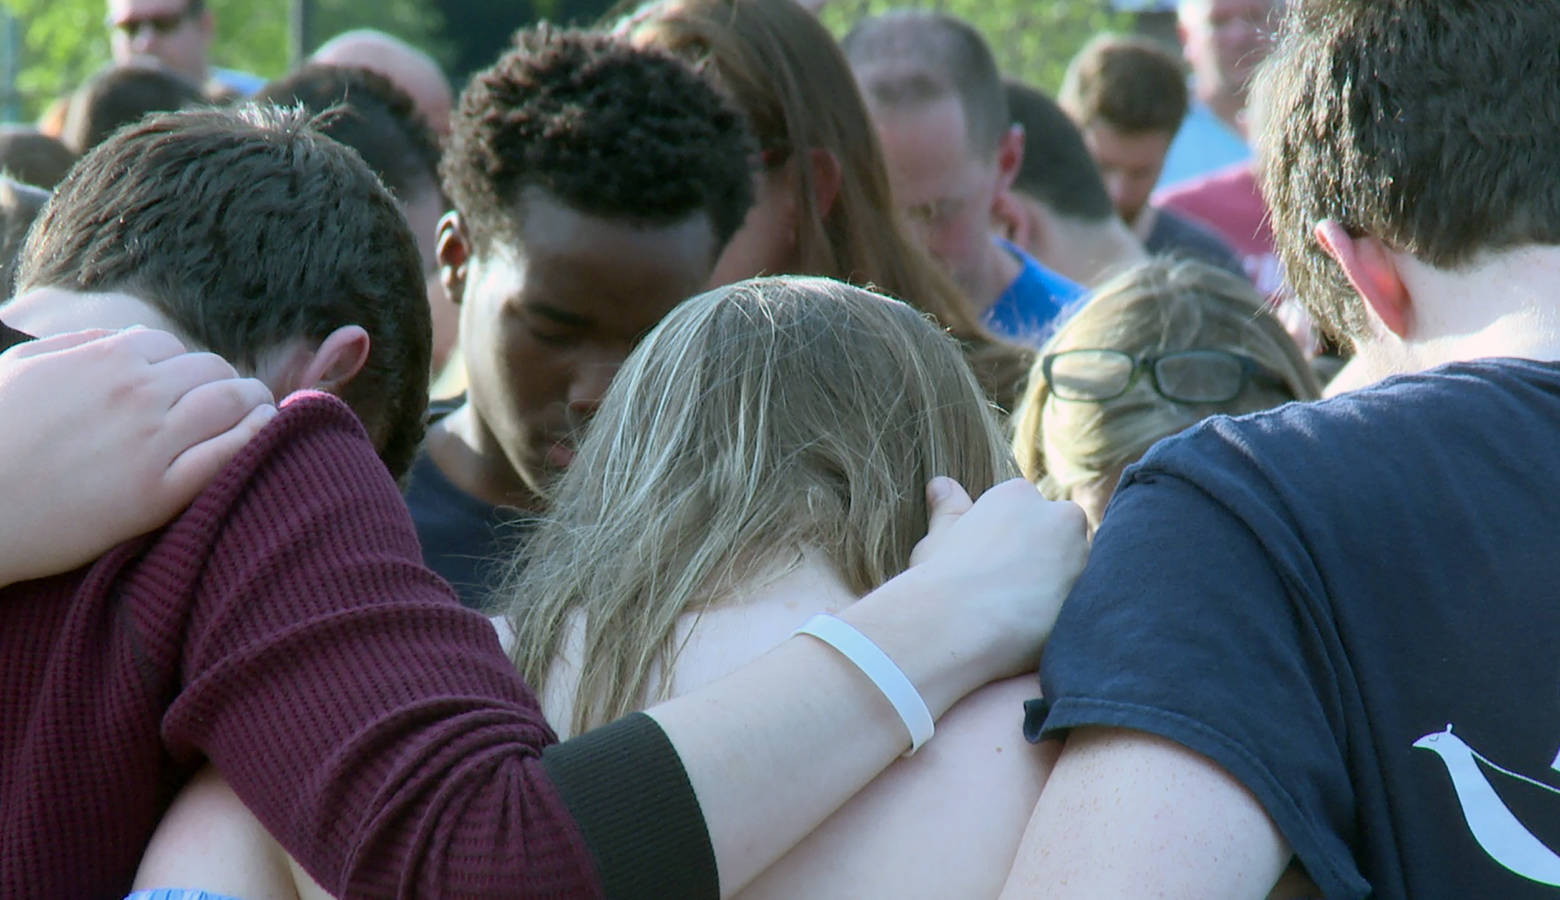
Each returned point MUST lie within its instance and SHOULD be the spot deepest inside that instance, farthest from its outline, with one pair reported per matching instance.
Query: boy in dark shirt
(1328, 632)
(594, 187)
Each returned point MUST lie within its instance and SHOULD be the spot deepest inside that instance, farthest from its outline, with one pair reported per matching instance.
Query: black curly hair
(605, 128)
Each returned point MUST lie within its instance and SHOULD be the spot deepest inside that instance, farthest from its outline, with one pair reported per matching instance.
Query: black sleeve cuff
(626, 788)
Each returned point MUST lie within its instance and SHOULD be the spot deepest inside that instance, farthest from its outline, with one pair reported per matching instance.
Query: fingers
(194, 468)
(946, 501)
(178, 375)
(57, 342)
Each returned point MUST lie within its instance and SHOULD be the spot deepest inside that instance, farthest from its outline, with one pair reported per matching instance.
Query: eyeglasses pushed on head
(1182, 376)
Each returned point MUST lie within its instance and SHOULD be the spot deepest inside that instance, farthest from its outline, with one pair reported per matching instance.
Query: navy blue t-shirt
(465, 540)
(1353, 607)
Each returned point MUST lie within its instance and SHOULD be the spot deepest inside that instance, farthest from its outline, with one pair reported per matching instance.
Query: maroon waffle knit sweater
(285, 628)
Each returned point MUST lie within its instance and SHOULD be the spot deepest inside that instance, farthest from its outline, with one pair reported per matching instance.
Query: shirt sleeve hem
(1336, 880)
(626, 788)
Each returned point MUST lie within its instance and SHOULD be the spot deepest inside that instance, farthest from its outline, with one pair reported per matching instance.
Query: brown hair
(1131, 84)
(1427, 125)
(248, 228)
(787, 73)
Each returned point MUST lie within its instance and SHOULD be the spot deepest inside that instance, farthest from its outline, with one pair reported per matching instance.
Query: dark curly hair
(608, 129)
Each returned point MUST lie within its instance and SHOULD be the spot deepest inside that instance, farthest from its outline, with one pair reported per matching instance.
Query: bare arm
(108, 435)
(1127, 814)
(773, 749)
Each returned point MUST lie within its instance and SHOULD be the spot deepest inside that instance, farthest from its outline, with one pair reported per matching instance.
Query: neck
(996, 272)
(1229, 107)
(1090, 253)
(1505, 304)
(468, 454)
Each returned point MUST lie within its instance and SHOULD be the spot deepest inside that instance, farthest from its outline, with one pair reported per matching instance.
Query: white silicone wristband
(875, 664)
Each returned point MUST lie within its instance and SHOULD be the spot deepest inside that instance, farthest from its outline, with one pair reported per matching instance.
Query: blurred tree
(64, 41)
(1032, 39)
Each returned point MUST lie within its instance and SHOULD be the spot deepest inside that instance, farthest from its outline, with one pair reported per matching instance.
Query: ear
(454, 252)
(1372, 271)
(1010, 156)
(1011, 218)
(208, 23)
(337, 361)
(826, 176)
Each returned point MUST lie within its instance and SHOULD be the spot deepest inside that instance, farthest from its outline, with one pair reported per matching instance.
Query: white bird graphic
(1506, 840)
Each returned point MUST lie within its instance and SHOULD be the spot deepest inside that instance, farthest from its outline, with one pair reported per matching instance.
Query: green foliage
(1032, 39)
(65, 41)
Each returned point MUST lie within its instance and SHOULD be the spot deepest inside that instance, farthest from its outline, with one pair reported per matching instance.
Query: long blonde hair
(1161, 305)
(788, 75)
(757, 419)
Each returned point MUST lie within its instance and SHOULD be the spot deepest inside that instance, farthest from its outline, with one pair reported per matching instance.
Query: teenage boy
(1328, 632)
(594, 187)
(283, 629)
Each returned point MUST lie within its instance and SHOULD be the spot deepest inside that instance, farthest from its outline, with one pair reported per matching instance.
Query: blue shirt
(1352, 607)
(1028, 311)
(1203, 144)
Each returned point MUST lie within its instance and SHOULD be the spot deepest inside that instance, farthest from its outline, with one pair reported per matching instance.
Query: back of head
(758, 419)
(32, 157)
(19, 206)
(120, 95)
(786, 72)
(372, 116)
(1057, 169)
(249, 229)
(606, 129)
(1161, 306)
(1426, 125)
(1131, 84)
(907, 58)
(410, 69)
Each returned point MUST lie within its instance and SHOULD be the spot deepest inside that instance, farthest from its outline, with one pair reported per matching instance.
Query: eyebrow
(558, 315)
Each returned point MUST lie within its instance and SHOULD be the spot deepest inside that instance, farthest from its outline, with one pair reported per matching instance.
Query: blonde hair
(757, 419)
(1159, 306)
(787, 73)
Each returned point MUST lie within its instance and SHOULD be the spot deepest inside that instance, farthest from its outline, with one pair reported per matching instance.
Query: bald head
(410, 69)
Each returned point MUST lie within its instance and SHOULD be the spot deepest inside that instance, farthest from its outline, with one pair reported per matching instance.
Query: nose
(142, 39)
(591, 380)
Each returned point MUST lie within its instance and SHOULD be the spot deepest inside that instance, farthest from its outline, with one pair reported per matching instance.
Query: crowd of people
(789, 396)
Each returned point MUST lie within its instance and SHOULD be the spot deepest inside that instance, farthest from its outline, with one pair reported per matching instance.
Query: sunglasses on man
(162, 24)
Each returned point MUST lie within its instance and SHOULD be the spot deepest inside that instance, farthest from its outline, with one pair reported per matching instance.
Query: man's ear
(1371, 269)
(826, 176)
(1012, 218)
(1010, 156)
(208, 23)
(339, 358)
(454, 252)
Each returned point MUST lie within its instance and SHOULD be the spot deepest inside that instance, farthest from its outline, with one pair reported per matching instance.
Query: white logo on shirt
(1499, 833)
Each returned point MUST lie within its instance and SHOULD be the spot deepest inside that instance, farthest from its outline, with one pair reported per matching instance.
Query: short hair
(248, 228)
(1057, 169)
(19, 205)
(925, 56)
(1427, 125)
(1132, 84)
(1161, 305)
(32, 157)
(370, 114)
(751, 424)
(119, 95)
(604, 128)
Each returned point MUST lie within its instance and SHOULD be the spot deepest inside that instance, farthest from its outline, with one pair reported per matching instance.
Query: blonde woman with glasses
(770, 441)
(1156, 350)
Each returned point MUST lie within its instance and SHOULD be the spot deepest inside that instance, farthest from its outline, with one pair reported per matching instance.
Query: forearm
(775, 748)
